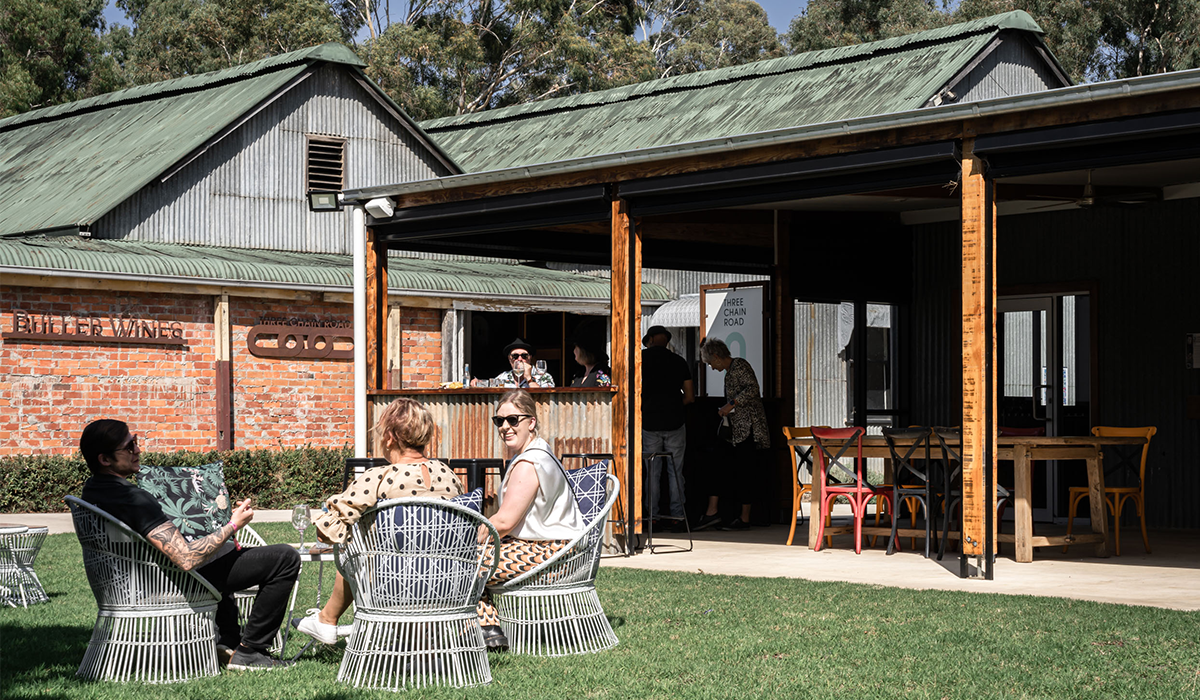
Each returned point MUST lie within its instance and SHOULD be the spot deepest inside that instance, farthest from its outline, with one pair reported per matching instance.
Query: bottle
(467, 374)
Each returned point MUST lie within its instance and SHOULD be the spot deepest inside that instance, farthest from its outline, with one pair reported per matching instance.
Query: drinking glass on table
(301, 521)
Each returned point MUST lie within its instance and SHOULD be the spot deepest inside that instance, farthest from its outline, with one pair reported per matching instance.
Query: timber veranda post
(978, 360)
(627, 364)
(376, 274)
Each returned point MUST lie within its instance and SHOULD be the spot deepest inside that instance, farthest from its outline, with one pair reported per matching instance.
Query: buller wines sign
(94, 329)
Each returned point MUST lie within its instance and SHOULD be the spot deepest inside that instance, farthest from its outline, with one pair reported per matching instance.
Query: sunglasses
(520, 356)
(512, 420)
(129, 446)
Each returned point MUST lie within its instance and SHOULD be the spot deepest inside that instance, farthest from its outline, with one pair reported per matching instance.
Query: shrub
(275, 478)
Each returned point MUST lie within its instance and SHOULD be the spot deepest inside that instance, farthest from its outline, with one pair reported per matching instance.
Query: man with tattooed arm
(112, 454)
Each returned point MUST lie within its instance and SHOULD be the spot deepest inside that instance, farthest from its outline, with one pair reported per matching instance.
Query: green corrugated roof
(70, 253)
(68, 165)
(880, 77)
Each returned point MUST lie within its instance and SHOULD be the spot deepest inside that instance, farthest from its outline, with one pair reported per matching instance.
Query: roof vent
(325, 166)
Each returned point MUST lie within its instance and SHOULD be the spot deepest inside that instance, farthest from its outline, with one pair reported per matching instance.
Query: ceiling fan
(1088, 196)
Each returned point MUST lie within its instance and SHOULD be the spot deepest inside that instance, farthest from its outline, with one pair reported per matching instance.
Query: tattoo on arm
(187, 555)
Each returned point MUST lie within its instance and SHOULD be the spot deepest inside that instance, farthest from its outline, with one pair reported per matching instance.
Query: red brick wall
(289, 402)
(50, 390)
(421, 348)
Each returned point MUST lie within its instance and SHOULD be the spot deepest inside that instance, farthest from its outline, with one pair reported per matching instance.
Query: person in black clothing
(589, 352)
(113, 455)
(666, 389)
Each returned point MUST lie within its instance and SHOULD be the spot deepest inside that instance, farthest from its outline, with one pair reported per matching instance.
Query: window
(325, 169)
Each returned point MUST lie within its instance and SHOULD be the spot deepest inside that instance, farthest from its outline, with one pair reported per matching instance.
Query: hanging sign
(304, 342)
(734, 314)
(94, 329)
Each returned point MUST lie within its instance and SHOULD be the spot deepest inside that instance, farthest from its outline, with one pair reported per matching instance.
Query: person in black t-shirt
(113, 455)
(666, 389)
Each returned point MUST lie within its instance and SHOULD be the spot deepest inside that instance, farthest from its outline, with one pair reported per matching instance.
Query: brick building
(159, 262)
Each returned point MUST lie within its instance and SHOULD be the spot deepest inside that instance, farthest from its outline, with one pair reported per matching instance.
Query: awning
(683, 312)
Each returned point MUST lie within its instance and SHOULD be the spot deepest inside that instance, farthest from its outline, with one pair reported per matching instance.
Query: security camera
(380, 208)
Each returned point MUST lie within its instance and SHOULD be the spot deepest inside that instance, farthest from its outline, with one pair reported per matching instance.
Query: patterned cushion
(194, 498)
(591, 489)
(472, 500)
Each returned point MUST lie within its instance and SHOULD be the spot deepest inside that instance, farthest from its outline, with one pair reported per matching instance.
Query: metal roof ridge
(177, 86)
(1088, 92)
(730, 74)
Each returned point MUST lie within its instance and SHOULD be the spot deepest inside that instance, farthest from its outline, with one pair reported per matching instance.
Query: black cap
(655, 330)
(518, 344)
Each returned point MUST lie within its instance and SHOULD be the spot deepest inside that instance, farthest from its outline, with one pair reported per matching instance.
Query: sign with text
(94, 329)
(305, 342)
(734, 314)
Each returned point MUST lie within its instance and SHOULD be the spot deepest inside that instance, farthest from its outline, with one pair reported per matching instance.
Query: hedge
(275, 478)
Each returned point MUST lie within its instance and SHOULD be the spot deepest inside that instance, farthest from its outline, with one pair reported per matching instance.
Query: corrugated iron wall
(248, 190)
(1014, 68)
(1141, 261)
(820, 372)
(678, 281)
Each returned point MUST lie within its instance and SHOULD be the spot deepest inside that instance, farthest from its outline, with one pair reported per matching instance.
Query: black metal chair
(950, 441)
(911, 482)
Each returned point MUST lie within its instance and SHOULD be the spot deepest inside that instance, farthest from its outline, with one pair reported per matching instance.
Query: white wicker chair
(156, 622)
(19, 584)
(417, 574)
(553, 610)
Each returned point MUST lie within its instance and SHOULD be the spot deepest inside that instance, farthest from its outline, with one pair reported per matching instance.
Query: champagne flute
(301, 521)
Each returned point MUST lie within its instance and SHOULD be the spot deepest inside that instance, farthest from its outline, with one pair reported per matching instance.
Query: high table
(1022, 451)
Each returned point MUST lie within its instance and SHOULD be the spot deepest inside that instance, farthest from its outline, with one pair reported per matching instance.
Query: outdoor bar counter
(572, 420)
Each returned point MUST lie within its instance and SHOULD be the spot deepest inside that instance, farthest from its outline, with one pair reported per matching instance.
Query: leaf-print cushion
(194, 498)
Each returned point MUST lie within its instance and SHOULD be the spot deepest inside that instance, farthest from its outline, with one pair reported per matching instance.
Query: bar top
(495, 390)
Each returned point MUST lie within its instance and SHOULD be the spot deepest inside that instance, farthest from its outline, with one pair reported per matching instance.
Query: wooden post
(978, 353)
(376, 311)
(627, 363)
(785, 353)
(223, 351)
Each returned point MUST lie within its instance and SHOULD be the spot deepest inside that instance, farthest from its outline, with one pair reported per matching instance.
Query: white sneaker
(312, 626)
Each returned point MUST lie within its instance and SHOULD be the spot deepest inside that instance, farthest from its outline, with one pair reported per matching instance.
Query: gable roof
(881, 77)
(66, 166)
(167, 262)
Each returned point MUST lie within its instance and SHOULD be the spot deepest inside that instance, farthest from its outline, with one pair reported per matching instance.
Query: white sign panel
(736, 317)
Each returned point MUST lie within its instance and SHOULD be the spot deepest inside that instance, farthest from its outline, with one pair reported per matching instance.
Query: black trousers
(274, 570)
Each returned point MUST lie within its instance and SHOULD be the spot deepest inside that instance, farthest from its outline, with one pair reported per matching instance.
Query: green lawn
(700, 636)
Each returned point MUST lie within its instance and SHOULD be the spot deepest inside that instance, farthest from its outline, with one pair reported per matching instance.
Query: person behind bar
(538, 515)
(590, 353)
(113, 455)
(524, 374)
(402, 433)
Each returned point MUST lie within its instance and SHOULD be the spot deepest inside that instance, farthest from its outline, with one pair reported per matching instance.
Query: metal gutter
(1080, 94)
(320, 288)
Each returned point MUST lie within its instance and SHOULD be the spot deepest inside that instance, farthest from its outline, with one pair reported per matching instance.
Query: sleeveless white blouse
(554, 514)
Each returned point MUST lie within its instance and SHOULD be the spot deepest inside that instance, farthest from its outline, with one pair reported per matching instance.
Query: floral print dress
(749, 418)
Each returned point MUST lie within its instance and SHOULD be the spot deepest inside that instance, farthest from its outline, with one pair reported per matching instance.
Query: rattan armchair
(156, 622)
(417, 573)
(553, 610)
(19, 583)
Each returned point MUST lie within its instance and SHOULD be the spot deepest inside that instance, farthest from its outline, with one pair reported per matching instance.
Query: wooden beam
(376, 310)
(627, 363)
(978, 351)
(784, 351)
(223, 351)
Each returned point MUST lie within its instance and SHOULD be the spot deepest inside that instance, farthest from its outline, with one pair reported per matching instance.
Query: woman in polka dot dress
(402, 433)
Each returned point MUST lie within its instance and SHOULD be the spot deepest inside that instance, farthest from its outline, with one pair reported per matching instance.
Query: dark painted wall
(1143, 264)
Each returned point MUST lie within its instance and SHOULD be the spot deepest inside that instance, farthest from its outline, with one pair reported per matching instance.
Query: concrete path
(1168, 578)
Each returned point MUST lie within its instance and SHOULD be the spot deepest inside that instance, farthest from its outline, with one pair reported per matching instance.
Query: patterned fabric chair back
(590, 485)
(417, 555)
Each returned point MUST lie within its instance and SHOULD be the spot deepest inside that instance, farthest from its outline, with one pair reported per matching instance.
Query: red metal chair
(837, 478)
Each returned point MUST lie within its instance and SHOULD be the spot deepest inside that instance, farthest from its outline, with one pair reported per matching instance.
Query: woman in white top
(538, 515)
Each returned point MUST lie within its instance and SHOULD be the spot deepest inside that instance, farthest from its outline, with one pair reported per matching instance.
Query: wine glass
(541, 366)
(301, 521)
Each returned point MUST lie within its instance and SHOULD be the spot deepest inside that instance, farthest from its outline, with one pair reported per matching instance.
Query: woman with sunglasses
(538, 515)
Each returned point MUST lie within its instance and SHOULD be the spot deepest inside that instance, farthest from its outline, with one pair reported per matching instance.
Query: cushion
(591, 489)
(194, 498)
(472, 500)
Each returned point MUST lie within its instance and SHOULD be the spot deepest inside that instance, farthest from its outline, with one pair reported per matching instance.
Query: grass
(701, 636)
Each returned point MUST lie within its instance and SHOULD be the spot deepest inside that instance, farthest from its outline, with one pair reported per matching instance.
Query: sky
(779, 12)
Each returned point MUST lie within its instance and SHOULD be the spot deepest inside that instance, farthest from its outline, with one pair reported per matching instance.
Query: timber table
(1022, 451)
